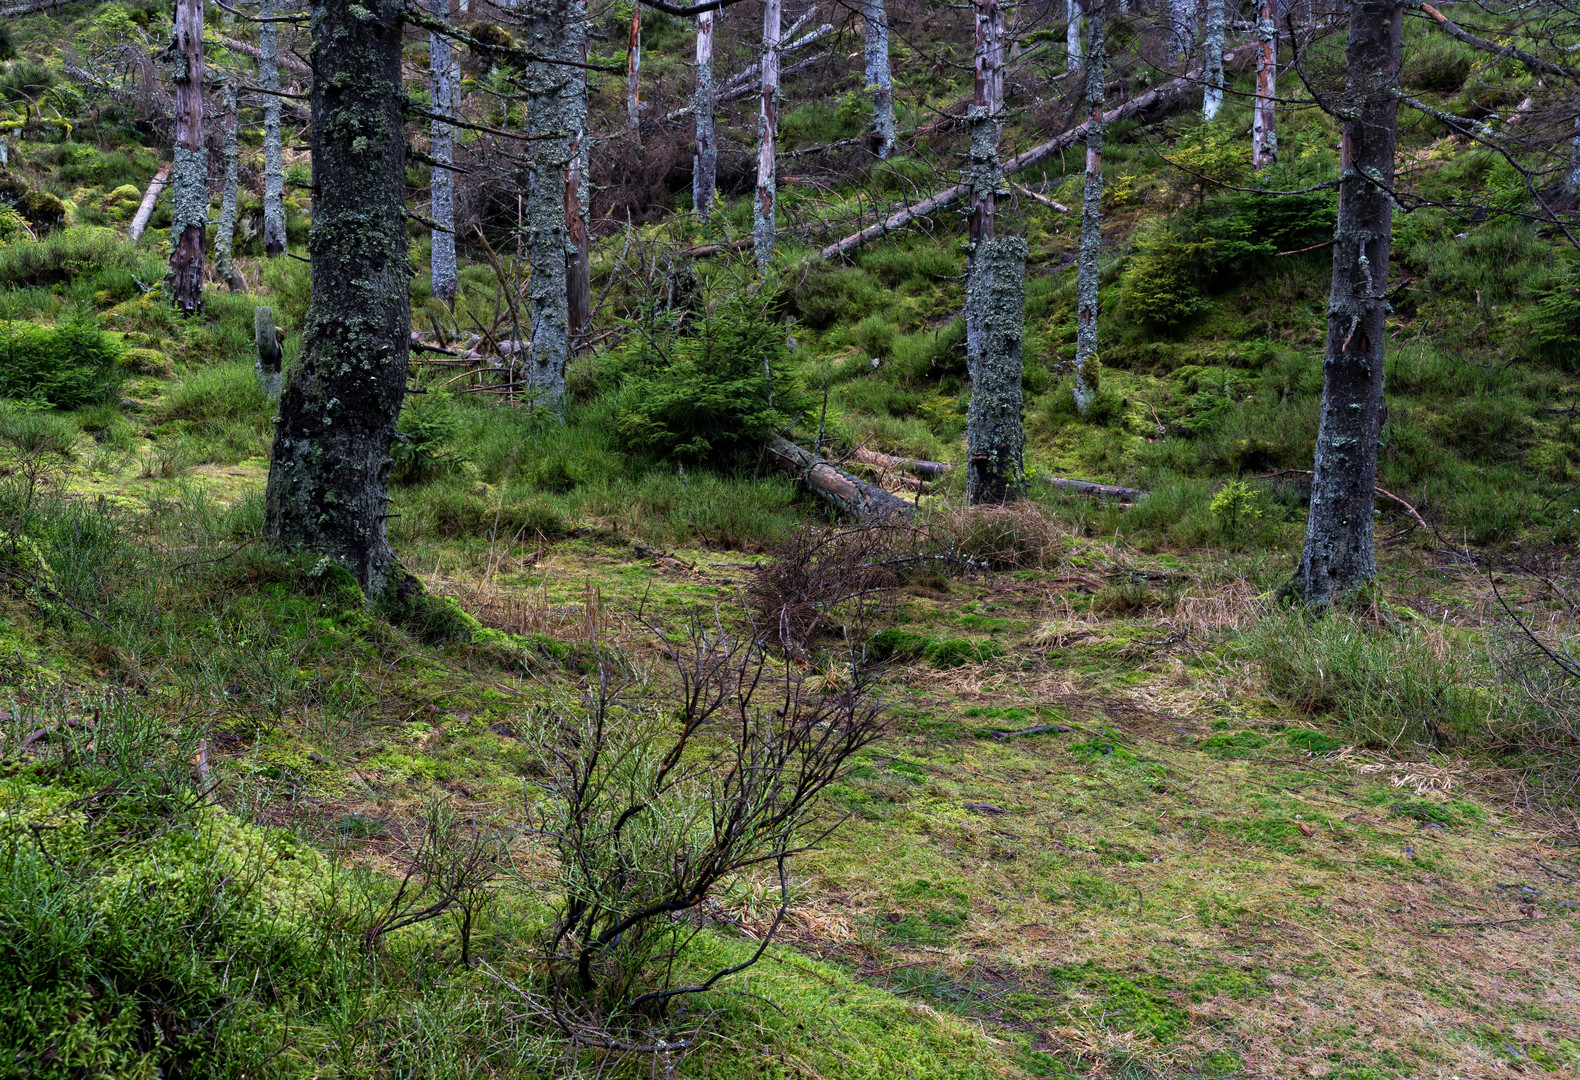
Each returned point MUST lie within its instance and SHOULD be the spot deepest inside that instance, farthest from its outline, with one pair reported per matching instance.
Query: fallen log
(928, 470)
(1101, 491)
(150, 197)
(848, 494)
(1160, 94)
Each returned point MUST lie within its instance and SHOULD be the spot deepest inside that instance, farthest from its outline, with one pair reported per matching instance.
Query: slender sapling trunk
(767, 130)
(1088, 368)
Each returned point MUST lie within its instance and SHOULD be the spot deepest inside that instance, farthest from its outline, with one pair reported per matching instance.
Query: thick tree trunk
(146, 209)
(1087, 365)
(1072, 34)
(767, 132)
(880, 81)
(633, 77)
(189, 220)
(994, 435)
(273, 156)
(225, 232)
(441, 147)
(329, 477)
(578, 256)
(1338, 550)
(1212, 65)
(705, 159)
(1264, 135)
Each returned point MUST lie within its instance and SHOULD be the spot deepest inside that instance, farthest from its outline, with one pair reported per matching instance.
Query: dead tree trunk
(880, 80)
(146, 209)
(767, 131)
(1338, 551)
(441, 146)
(329, 477)
(189, 219)
(1088, 368)
(273, 155)
(1264, 134)
(633, 77)
(578, 258)
(1072, 34)
(995, 437)
(705, 160)
(983, 172)
(1212, 65)
(225, 231)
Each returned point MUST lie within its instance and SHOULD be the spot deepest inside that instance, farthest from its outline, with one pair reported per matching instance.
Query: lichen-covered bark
(328, 478)
(1072, 34)
(271, 356)
(1212, 66)
(1182, 27)
(984, 175)
(273, 155)
(441, 147)
(767, 134)
(189, 190)
(633, 77)
(578, 191)
(1338, 549)
(995, 436)
(1264, 133)
(705, 156)
(880, 80)
(225, 231)
(556, 118)
(1087, 366)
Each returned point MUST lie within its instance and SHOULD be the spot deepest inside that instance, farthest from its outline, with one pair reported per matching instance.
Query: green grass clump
(893, 644)
(67, 366)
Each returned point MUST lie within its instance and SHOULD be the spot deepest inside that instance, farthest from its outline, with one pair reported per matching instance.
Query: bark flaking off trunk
(329, 474)
(1088, 367)
(1212, 75)
(225, 231)
(189, 190)
(880, 80)
(1264, 132)
(705, 157)
(1338, 552)
(273, 155)
(767, 132)
(995, 436)
(441, 146)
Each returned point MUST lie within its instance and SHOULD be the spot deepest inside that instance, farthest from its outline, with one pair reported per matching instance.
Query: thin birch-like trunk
(995, 432)
(1088, 368)
(1338, 553)
(1072, 34)
(1182, 27)
(1212, 66)
(705, 156)
(767, 131)
(633, 76)
(441, 147)
(273, 155)
(225, 231)
(578, 260)
(189, 219)
(1264, 135)
(983, 172)
(880, 80)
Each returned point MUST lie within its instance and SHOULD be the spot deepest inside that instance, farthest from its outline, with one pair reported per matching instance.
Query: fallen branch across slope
(848, 494)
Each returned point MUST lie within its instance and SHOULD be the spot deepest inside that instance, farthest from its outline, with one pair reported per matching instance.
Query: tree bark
(328, 480)
(273, 156)
(995, 438)
(705, 159)
(767, 132)
(633, 77)
(983, 173)
(189, 220)
(1338, 551)
(880, 80)
(225, 232)
(1072, 34)
(850, 495)
(1264, 134)
(1212, 64)
(1182, 28)
(1088, 368)
(441, 147)
(146, 209)
(578, 256)
(271, 356)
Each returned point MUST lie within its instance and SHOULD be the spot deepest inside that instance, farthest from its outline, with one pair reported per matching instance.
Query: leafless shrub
(657, 798)
(1542, 721)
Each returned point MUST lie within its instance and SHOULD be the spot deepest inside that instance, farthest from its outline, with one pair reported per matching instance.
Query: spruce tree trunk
(705, 157)
(1264, 135)
(329, 476)
(578, 261)
(189, 190)
(1088, 368)
(767, 132)
(273, 156)
(995, 437)
(1182, 27)
(441, 146)
(880, 81)
(1072, 34)
(225, 231)
(984, 175)
(633, 76)
(1338, 551)
(1212, 67)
